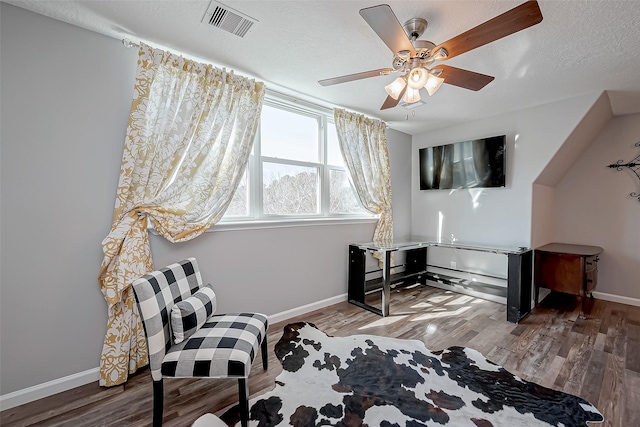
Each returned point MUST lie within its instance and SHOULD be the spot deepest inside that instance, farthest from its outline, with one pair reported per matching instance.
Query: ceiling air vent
(412, 105)
(228, 19)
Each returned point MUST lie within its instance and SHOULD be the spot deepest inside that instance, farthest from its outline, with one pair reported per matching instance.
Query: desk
(518, 275)
(572, 269)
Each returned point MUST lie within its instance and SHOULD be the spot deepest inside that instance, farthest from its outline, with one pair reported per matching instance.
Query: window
(296, 170)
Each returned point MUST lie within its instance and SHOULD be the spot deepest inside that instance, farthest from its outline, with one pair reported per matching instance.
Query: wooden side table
(567, 268)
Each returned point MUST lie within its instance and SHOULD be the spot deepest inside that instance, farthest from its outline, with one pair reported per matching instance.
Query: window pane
(287, 135)
(342, 196)
(239, 205)
(334, 156)
(289, 189)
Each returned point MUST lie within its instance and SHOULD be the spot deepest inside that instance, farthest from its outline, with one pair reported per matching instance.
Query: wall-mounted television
(479, 163)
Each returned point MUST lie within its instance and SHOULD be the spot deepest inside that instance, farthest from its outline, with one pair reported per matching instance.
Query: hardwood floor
(597, 358)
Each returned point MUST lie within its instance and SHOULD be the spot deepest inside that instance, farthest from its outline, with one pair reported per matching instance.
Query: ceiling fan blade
(356, 76)
(463, 78)
(512, 21)
(390, 102)
(386, 25)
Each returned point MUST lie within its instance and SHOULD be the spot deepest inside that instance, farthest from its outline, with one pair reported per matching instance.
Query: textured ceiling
(580, 47)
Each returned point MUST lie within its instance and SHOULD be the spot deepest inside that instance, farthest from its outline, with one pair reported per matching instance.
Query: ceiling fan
(412, 57)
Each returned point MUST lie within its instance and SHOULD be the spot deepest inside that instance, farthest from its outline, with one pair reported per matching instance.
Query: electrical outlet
(453, 264)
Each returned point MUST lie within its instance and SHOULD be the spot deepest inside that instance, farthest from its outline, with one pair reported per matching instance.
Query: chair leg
(243, 397)
(265, 356)
(158, 396)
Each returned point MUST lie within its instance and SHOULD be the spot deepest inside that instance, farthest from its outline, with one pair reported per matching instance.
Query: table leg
(386, 286)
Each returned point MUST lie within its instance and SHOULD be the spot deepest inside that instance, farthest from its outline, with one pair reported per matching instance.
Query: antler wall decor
(633, 165)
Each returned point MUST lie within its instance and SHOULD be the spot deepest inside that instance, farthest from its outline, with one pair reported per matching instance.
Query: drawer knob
(589, 281)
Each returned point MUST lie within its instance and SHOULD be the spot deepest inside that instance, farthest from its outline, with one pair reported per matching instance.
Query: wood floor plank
(611, 401)
(633, 346)
(596, 358)
(547, 377)
(592, 383)
(631, 415)
(578, 369)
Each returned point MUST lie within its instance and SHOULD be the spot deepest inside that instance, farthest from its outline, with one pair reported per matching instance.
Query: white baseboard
(50, 388)
(617, 298)
(29, 394)
(288, 314)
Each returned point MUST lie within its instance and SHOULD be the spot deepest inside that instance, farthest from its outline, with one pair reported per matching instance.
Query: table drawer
(591, 263)
(591, 280)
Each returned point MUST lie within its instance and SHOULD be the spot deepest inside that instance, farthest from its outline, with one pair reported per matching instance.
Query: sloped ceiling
(580, 47)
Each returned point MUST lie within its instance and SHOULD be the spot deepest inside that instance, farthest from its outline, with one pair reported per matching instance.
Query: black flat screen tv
(479, 163)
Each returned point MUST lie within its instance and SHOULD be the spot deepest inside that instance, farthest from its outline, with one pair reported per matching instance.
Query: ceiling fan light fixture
(394, 89)
(417, 78)
(433, 84)
(411, 95)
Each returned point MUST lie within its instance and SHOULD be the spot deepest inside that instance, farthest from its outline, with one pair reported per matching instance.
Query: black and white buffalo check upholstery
(190, 314)
(224, 347)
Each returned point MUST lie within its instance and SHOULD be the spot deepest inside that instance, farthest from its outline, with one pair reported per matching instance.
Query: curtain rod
(129, 44)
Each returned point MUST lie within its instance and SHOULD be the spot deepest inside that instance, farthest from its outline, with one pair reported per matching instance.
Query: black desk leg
(386, 279)
(519, 283)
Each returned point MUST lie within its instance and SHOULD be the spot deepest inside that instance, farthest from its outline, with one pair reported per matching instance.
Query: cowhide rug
(377, 381)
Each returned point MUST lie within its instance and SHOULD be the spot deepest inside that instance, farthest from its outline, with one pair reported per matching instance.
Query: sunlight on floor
(422, 305)
(431, 329)
(439, 299)
(465, 299)
(383, 322)
(441, 314)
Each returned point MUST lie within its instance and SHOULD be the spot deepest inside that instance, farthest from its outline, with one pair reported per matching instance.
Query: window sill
(280, 223)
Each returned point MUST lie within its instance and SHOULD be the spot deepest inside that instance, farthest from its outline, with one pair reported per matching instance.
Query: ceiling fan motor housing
(414, 27)
(423, 48)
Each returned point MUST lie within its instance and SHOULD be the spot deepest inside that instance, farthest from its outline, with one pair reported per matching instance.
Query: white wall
(593, 206)
(65, 99)
(558, 189)
(66, 94)
(543, 221)
(544, 187)
(495, 216)
(400, 158)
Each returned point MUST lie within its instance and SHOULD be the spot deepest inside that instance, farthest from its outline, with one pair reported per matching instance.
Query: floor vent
(228, 19)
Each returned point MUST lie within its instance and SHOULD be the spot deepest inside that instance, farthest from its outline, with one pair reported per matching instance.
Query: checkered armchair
(211, 345)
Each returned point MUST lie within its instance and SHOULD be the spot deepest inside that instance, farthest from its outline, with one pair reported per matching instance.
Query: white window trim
(289, 223)
(255, 188)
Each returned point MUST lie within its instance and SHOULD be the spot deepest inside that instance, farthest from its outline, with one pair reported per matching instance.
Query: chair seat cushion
(224, 347)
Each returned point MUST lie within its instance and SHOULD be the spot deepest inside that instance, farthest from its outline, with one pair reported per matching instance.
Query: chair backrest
(156, 293)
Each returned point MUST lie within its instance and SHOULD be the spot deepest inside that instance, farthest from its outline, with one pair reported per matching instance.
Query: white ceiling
(580, 47)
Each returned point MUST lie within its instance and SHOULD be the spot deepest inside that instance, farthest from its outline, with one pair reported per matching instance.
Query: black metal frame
(519, 279)
(519, 282)
(415, 268)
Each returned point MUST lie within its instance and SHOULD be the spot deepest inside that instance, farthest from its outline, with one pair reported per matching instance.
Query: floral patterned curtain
(191, 130)
(363, 142)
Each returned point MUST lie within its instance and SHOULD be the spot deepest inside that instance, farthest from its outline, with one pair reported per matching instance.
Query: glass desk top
(401, 244)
